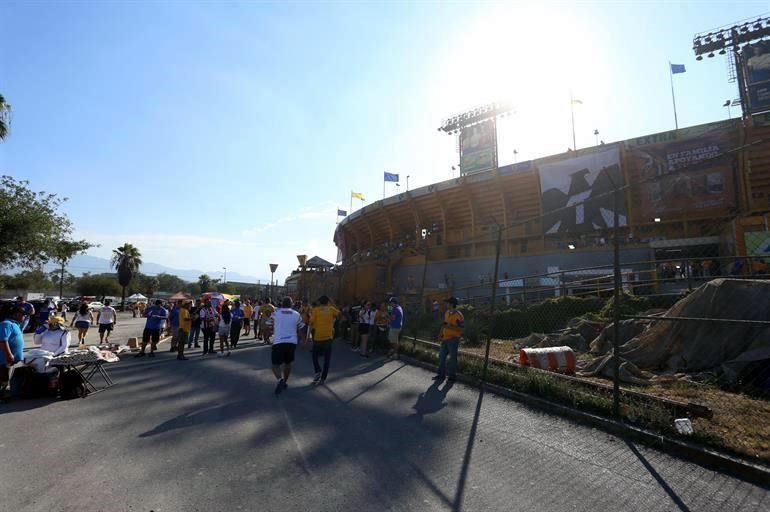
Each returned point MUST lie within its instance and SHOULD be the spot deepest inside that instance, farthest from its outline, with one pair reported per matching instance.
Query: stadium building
(701, 192)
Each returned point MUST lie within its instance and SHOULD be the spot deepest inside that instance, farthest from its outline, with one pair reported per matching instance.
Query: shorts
(105, 328)
(283, 353)
(151, 334)
(363, 328)
(82, 324)
(224, 330)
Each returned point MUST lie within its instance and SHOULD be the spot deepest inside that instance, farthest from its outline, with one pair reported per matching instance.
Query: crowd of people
(364, 324)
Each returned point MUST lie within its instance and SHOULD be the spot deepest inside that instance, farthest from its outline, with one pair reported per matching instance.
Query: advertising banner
(757, 60)
(686, 175)
(478, 145)
(577, 193)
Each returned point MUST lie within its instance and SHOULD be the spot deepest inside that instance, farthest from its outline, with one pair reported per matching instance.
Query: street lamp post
(225, 275)
(273, 268)
(407, 183)
(596, 134)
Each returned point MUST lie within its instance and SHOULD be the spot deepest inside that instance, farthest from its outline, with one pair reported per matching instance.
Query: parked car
(95, 306)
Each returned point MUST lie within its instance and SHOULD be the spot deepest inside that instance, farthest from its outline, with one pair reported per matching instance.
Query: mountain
(82, 263)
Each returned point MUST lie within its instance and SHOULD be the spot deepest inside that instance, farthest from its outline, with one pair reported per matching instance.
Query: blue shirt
(397, 317)
(237, 313)
(174, 317)
(10, 332)
(45, 313)
(154, 324)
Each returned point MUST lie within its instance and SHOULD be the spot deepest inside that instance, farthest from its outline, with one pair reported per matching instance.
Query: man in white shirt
(107, 319)
(287, 330)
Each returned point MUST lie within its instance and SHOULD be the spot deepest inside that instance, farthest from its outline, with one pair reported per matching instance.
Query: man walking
(156, 315)
(396, 325)
(174, 324)
(185, 326)
(287, 330)
(322, 319)
(451, 330)
(248, 312)
(236, 324)
(107, 319)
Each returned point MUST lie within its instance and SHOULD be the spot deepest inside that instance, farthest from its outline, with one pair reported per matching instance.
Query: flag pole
(383, 187)
(673, 98)
(572, 114)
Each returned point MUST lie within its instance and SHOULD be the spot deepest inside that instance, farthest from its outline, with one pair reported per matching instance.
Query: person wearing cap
(396, 325)
(322, 319)
(236, 324)
(451, 330)
(28, 309)
(53, 337)
(155, 315)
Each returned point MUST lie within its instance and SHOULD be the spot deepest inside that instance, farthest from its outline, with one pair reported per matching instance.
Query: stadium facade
(702, 191)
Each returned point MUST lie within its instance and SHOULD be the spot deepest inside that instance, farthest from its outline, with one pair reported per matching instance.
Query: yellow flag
(357, 195)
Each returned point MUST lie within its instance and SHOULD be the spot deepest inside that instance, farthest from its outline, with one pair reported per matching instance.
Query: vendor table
(87, 366)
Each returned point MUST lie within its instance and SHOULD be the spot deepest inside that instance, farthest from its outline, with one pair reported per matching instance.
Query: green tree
(170, 283)
(28, 280)
(5, 118)
(126, 259)
(205, 283)
(63, 251)
(97, 286)
(30, 224)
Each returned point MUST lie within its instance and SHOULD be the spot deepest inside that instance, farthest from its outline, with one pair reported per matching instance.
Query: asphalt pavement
(208, 434)
(126, 327)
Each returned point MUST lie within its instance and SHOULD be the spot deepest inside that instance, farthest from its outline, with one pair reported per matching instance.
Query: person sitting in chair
(53, 337)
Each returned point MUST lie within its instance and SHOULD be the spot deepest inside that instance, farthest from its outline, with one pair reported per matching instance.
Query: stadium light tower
(731, 40)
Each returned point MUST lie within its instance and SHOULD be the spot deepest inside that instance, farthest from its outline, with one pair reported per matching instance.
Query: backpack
(27, 383)
(71, 385)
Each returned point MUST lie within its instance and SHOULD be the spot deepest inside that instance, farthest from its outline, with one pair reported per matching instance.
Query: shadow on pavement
(658, 478)
(431, 401)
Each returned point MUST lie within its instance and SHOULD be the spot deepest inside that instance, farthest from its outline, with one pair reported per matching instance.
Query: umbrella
(179, 296)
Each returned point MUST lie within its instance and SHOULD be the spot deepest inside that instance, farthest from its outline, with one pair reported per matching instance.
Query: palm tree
(126, 260)
(5, 118)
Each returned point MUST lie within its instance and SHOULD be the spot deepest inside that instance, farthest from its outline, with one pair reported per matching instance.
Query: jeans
(448, 347)
(194, 335)
(235, 331)
(209, 335)
(325, 348)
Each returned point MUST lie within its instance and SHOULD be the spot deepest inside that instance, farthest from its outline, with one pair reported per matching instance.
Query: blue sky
(215, 134)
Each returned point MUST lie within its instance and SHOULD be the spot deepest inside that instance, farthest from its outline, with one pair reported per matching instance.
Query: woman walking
(365, 327)
(82, 319)
(225, 319)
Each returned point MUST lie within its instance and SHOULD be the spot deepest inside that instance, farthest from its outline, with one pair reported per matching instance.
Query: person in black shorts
(287, 332)
(155, 315)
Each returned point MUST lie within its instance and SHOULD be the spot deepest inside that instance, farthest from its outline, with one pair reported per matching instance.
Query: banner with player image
(684, 175)
(577, 193)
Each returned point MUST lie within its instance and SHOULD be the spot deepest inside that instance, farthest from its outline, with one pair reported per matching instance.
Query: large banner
(577, 193)
(757, 75)
(478, 145)
(685, 175)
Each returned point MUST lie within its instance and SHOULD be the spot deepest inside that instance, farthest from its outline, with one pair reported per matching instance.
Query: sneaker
(365, 355)
(182, 358)
(197, 346)
(356, 349)
(438, 377)
(189, 347)
(140, 354)
(152, 354)
(322, 381)
(279, 387)
(450, 380)
(228, 353)
(317, 378)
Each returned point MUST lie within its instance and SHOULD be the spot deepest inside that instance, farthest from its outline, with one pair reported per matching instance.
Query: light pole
(729, 112)
(515, 155)
(596, 134)
(273, 268)
(407, 183)
(224, 279)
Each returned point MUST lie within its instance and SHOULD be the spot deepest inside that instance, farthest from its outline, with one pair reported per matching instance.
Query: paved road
(126, 327)
(209, 435)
